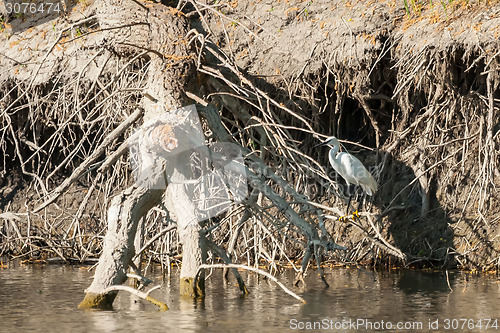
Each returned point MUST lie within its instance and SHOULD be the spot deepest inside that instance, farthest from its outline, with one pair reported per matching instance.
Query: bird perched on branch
(351, 169)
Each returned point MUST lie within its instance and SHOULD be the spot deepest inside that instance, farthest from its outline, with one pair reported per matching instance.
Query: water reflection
(44, 299)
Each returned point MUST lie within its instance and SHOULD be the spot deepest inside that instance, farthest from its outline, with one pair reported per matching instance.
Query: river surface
(44, 298)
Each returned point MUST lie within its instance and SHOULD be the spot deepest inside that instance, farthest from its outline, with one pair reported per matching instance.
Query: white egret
(351, 169)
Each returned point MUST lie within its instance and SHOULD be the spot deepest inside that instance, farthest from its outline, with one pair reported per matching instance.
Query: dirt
(417, 91)
(368, 72)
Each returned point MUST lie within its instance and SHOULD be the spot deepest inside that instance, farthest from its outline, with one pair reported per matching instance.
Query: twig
(82, 168)
(397, 251)
(138, 293)
(253, 269)
(227, 260)
(144, 280)
(448, 281)
(423, 173)
(152, 240)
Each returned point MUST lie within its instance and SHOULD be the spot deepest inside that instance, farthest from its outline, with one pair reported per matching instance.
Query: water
(45, 299)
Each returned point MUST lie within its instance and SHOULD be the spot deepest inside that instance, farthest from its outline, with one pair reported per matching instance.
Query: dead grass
(438, 10)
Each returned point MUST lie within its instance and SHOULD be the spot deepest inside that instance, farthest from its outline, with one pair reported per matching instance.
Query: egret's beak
(319, 144)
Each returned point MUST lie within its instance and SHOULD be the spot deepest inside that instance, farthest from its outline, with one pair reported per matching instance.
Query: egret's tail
(370, 185)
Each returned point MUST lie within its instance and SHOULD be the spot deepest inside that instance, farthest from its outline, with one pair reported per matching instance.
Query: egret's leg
(360, 205)
(348, 205)
(350, 193)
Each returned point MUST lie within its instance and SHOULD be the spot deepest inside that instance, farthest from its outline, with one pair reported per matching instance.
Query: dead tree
(271, 105)
(160, 33)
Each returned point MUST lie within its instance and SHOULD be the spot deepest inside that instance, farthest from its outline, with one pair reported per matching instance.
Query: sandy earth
(322, 59)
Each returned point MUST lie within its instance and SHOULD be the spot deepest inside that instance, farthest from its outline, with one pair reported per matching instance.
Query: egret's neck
(335, 150)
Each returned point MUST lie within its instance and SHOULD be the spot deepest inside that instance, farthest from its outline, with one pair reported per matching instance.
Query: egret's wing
(356, 173)
(336, 163)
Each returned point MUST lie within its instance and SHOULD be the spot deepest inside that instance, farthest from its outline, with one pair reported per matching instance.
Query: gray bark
(124, 214)
(132, 29)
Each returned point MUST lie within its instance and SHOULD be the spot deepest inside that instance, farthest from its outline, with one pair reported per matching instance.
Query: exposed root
(255, 270)
(419, 108)
(138, 293)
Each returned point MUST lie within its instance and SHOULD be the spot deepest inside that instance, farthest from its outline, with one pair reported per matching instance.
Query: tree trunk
(123, 217)
(131, 29)
(194, 254)
(179, 202)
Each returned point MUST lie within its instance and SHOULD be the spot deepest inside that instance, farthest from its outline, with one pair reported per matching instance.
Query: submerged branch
(138, 293)
(255, 270)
